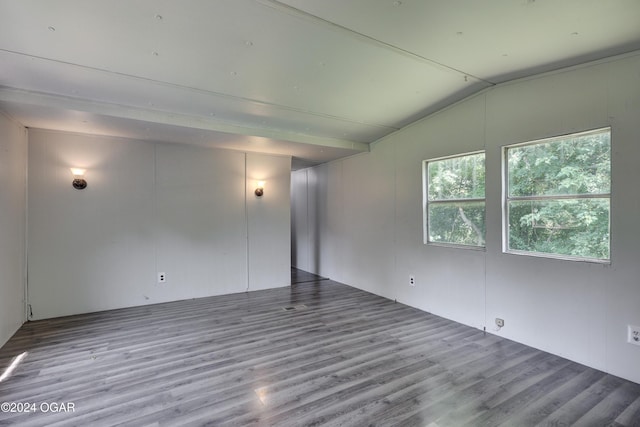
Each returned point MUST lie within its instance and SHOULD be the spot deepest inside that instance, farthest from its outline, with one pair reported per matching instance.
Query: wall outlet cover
(634, 335)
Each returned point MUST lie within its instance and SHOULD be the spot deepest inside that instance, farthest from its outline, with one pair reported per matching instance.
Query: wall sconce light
(260, 189)
(79, 183)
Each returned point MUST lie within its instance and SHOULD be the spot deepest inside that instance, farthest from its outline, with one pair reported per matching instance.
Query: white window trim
(426, 202)
(506, 199)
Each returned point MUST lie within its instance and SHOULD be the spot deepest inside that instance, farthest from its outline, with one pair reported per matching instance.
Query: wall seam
(26, 313)
(155, 208)
(395, 214)
(484, 145)
(308, 215)
(246, 221)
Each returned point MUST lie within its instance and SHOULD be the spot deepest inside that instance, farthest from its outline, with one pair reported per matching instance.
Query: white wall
(13, 173)
(300, 245)
(150, 207)
(269, 221)
(370, 219)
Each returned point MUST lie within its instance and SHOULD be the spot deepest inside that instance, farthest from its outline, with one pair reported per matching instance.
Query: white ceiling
(314, 79)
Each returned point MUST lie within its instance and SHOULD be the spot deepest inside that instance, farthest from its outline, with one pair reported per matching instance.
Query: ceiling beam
(147, 115)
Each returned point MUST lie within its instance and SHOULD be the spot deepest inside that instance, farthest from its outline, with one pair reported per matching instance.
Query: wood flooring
(318, 353)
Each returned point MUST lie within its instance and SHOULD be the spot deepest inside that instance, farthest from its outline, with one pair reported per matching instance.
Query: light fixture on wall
(260, 190)
(79, 183)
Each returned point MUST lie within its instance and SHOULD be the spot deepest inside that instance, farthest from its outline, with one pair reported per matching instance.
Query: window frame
(506, 199)
(426, 202)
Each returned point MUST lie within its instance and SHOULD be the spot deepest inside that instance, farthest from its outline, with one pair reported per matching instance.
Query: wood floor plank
(612, 405)
(573, 410)
(630, 416)
(536, 411)
(436, 403)
(342, 357)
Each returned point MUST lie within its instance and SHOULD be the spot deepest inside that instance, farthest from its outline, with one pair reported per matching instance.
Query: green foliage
(451, 182)
(568, 167)
(457, 222)
(559, 197)
(457, 178)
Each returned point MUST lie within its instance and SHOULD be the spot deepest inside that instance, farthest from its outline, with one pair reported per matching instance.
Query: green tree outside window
(558, 196)
(455, 205)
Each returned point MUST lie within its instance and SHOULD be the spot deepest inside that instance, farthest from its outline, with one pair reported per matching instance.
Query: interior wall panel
(332, 236)
(550, 304)
(269, 221)
(300, 245)
(90, 249)
(200, 227)
(13, 171)
(448, 281)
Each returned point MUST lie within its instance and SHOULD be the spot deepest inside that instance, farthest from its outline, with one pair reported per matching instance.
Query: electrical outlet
(412, 280)
(499, 322)
(162, 277)
(634, 335)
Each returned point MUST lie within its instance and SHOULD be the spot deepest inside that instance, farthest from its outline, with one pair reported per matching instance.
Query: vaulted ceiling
(315, 79)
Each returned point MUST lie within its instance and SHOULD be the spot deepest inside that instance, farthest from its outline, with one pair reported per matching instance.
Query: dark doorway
(301, 276)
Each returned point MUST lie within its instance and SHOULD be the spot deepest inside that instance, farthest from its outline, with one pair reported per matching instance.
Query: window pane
(456, 178)
(459, 223)
(572, 165)
(574, 227)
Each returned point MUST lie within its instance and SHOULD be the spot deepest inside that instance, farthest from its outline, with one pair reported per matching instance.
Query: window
(557, 196)
(454, 200)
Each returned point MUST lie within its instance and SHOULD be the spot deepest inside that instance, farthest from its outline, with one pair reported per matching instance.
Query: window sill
(558, 257)
(456, 246)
